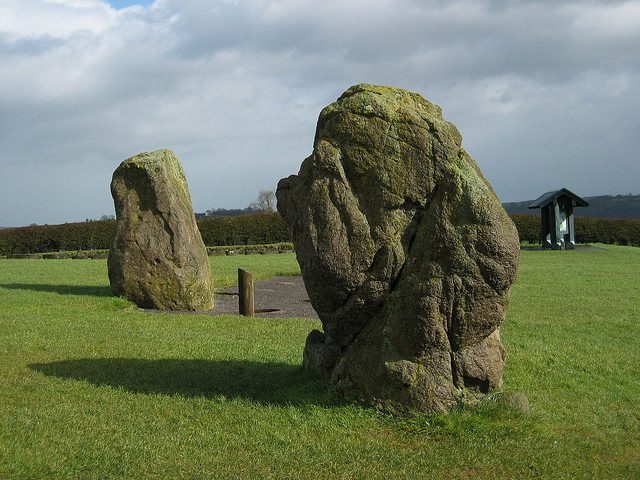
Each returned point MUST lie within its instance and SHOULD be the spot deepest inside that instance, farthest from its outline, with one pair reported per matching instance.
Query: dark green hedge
(260, 229)
(93, 235)
(608, 230)
(528, 227)
(588, 230)
(96, 235)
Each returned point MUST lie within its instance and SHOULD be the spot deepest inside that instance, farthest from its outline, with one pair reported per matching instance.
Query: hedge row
(528, 227)
(588, 230)
(258, 229)
(262, 229)
(96, 235)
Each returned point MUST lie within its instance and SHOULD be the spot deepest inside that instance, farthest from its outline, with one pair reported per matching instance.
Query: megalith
(406, 252)
(157, 257)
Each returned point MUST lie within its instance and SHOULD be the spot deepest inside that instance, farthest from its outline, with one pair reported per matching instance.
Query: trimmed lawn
(93, 388)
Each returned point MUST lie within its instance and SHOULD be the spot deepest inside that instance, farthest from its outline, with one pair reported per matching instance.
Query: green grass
(225, 269)
(93, 388)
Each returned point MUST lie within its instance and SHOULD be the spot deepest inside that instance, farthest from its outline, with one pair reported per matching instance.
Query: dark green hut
(557, 218)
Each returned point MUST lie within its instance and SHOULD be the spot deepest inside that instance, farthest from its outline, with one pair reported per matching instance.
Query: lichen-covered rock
(157, 258)
(406, 253)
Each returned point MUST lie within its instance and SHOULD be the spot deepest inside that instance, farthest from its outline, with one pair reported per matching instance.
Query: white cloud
(606, 22)
(54, 18)
(235, 89)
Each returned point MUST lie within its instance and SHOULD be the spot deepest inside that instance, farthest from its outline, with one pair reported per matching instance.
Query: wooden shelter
(557, 218)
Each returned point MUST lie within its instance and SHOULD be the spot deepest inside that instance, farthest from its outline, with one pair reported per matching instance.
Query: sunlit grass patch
(92, 387)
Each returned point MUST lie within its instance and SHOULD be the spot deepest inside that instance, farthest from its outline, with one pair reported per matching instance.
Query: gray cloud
(546, 94)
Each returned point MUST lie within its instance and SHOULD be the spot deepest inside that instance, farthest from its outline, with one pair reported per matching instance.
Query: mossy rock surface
(157, 258)
(406, 252)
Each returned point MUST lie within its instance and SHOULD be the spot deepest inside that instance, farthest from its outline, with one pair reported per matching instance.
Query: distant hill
(603, 206)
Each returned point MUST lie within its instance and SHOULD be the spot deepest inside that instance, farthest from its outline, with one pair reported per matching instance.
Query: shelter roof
(546, 198)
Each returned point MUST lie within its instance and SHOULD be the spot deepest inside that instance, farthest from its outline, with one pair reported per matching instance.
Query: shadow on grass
(61, 289)
(266, 383)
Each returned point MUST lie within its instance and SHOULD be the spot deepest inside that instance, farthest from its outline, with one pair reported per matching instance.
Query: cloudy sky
(545, 93)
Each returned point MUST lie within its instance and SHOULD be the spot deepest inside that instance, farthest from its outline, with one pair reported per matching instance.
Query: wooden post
(245, 293)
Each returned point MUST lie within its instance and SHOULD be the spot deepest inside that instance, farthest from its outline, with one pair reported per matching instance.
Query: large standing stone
(157, 258)
(406, 253)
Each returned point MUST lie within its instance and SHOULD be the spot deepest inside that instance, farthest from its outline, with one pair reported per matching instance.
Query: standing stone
(157, 258)
(406, 253)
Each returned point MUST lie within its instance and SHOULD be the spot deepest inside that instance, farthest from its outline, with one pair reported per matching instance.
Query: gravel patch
(277, 297)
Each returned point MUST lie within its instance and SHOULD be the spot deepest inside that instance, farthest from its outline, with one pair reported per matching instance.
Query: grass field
(93, 388)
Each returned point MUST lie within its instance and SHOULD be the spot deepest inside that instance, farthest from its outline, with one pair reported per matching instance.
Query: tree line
(265, 203)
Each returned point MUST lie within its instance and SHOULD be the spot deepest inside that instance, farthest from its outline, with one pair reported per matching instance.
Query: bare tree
(266, 202)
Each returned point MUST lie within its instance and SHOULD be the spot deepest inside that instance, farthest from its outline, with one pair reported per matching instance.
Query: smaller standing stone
(157, 257)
